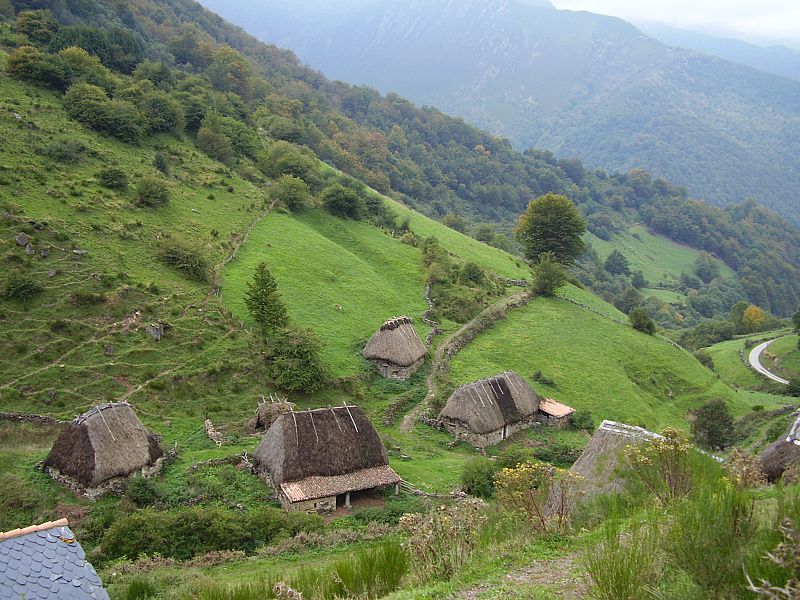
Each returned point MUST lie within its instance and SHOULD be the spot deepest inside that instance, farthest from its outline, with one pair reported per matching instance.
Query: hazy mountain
(779, 60)
(577, 83)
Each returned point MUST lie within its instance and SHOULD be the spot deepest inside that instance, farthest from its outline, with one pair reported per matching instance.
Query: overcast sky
(758, 21)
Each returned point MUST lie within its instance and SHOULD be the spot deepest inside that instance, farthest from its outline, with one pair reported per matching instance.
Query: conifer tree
(264, 302)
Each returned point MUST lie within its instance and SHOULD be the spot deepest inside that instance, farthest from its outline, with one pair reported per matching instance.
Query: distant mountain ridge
(778, 60)
(580, 84)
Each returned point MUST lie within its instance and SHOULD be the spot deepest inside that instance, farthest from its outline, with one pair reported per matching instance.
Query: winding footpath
(755, 361)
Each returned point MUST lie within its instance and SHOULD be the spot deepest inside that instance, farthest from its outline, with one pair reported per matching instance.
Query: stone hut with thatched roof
(315, 459)
(396, 349)
(489, 411)
(782, 454)
(100, 447)
(600, 463)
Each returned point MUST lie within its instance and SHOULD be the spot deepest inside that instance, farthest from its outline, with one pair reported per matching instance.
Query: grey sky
(759, 21)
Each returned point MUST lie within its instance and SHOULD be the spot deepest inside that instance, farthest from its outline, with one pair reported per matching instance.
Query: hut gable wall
(73, 454)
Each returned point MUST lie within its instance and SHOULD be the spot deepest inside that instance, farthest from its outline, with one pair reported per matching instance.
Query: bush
(548, 275)
(188, 259)
(174, 533)
(65, 151)
(477, 478)
(161, 162)
(162, 113)
(704, 358)
(640, 320)
(87, 298)
(87, 68)
(38, 25)
(214, 144)
(113, 178)
(294, 363)
(141, 492)
(152, 192)
(20, 287)
(28, 64)
(583, 419)
(713, 425)
(343, 202)
(87, 103)
(291, 192)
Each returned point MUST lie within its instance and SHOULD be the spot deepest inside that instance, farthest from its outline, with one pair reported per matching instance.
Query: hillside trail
(444, 352)
(561, 577)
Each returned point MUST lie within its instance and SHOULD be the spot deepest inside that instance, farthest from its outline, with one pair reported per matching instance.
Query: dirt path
(559, 576)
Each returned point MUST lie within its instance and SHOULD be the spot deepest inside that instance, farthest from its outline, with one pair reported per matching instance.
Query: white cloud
(757, 20)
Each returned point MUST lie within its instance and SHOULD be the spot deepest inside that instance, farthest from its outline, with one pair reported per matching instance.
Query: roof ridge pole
(296, 435)
(335, 418)
(351, 416)
(310, 414)
(100, 412)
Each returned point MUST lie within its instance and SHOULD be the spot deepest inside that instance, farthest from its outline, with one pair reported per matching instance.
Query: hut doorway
(505, 432)
(385, 371)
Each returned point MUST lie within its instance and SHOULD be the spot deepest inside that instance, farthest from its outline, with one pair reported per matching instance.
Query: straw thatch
(107, 441)
(396, 342)
(490, 404)
(268, 412)
(782, 454)
(333, 448)
(602, 458)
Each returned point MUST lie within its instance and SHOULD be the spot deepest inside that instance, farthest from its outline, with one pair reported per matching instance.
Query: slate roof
(46, 562)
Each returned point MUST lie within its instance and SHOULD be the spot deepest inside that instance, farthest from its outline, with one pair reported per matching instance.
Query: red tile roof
(333, 485)
(33, 528)
(555, 409)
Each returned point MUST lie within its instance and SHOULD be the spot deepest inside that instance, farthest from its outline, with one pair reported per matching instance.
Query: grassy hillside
(596, 365)
(661, 260)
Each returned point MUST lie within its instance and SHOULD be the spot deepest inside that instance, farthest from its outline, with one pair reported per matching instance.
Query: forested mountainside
(580, 84)
(430, 161)
(778, 60)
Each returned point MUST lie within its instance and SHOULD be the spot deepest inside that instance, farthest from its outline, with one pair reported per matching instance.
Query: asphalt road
(755, 362)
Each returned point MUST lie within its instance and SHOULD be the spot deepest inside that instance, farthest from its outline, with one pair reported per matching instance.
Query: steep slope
(577, 83)
(778, 60)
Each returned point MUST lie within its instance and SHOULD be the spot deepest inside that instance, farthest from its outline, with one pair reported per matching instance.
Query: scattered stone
(44, 252)
(7, 215)
(51, 273)
(78, 254)
(18, 116)
(109, 350)
(37, 225)
(52, 394)
(194, 210)
(22, 240)
(30, 250)
(157, 330)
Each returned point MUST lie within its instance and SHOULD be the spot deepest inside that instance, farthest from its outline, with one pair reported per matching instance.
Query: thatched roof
(268, 412)
(397, 342)
(107, 441)
(780, 455)
(325, 452)
(489, 404)
(601, 459)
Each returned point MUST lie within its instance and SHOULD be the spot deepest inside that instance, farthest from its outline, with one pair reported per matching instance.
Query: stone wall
(483, 440)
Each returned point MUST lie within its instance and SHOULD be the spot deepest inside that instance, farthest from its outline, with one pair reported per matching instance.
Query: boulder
(22, 240)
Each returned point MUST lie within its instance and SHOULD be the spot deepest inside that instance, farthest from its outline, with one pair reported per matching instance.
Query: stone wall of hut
(551, 421)
(317, 505)
(483, 440)
(390, 370)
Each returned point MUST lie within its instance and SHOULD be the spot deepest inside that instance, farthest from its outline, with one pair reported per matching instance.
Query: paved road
(755, 362)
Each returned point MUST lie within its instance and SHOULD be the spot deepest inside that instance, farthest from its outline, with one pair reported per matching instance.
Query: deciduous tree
(551, 223)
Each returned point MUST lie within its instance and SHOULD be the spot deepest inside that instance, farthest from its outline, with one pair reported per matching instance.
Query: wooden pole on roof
(100, 412)
(296, 435)
(335, 418)
(311, 414)
(351, 416)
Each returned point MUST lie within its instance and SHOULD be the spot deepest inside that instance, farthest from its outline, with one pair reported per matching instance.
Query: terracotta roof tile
(555, 409)
(323, 486)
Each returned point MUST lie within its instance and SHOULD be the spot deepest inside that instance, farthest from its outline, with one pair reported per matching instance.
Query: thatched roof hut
(780, 455)
(320, 454)
(268, 412)
(602, 458)
(105, 442)
(488, 411)
(396, 348)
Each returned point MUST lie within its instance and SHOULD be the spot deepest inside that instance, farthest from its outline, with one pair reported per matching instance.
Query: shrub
(87, 103)
(38, 25)
(583, 419)
(662, 465)
(263, 301)
(291, 192)
(477, 477)
(65, 151)
(87, 68)
(113, 178)
(141, 492)
(26, 63)
(294, 363)
(704, 358)
(744, 470)
(785, 557)
(640, 320)
(152, 192)
(174, 533)
(214, 144)
(162, 113)
(20, 287)
(394, 508)
(161, 162)
(443, 540)
(544, 494)
(713, 425)
(87, 298)
(343, 202)
(548, 275)
(472, 273)
(186, 258)
(623, 563)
